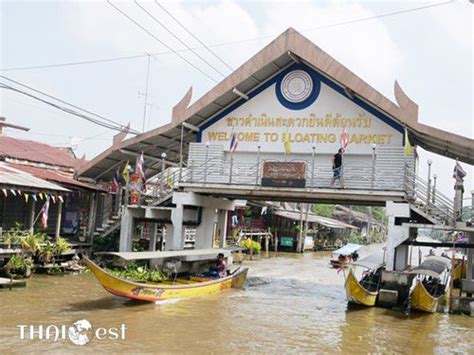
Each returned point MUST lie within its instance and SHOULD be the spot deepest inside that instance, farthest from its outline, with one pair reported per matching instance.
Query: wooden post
(251, 249)
(267, 246)
(299, 246)
(31, 217)
(275, 242)
(58, 221)
(92, 210)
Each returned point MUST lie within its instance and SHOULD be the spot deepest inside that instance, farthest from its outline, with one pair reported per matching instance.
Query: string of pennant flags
(35, 196)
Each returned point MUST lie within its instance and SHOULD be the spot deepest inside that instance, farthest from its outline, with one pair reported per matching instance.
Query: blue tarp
(347, 249)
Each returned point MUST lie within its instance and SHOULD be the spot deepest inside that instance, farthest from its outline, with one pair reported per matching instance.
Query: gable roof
(37, 152)
(285, 50)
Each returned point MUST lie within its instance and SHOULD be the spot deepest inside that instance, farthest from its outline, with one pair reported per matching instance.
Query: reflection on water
(292, 303)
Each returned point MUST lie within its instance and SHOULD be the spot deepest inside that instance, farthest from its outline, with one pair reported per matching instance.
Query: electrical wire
(65, 109)
(160, 41)
(222, 44)
(193, 35)
(116, 124)
(178, 39)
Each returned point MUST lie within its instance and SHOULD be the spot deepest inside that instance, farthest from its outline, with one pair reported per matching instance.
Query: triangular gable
(307, 107)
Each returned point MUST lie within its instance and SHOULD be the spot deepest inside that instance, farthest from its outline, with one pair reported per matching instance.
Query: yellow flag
(26, 197)
(408, 147)
(287, 143)
(126, 173)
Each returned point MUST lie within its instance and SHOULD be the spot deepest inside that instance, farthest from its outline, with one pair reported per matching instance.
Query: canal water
(292, 303)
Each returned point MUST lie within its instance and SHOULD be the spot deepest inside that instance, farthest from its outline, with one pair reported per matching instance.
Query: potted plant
(61, 245)
(19, 267)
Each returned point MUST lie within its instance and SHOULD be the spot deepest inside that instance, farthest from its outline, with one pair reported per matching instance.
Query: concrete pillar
(222, 227)
(396, 255)
(458, 192)
(205, 231)
(468, 282)
(31, 216)
(58, 220)
(126, 230)
(153, 237)
(175, 231)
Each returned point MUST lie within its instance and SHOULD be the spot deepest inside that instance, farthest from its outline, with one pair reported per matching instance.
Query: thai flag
(234, 142)
(344, 140)
(459, 173)
(116, 180)
(140, 168)
(44, 213)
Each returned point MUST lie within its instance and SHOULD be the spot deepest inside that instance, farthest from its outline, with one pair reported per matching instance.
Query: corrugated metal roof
(328, 222)
(18, 179)
(52, 175)
(36, 152)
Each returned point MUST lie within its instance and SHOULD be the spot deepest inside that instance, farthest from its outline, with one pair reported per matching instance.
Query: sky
(428, 51)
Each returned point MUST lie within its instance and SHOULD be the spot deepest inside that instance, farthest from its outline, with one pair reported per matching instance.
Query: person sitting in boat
(221, 265)
(354, 256)
(220, 268)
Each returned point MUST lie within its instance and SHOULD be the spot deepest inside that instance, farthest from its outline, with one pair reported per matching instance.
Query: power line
(65, 109)
(363, 19)
(193, 35)
(222, 44)
(160, 41)
(120, 126)
(177, 38)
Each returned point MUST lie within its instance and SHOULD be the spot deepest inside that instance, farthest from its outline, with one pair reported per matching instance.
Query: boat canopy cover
(432, 266)
(187, 255)
(347, 249)
(373, 261)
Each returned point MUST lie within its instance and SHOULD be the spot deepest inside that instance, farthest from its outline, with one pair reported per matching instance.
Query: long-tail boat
(431, 283)
(184, 287)
(340, 257)
(365, 291)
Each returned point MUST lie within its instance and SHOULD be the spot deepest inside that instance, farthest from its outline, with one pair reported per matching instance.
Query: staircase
(427, 202)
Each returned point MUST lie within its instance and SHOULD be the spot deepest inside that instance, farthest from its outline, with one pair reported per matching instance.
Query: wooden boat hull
(336, 264)
(421, 300)
(152, 292)
(356, 293)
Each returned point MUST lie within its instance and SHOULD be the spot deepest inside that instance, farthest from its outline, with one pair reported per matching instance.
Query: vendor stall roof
(327, 222)
(11, 177)
(55, 176)
(347, 249)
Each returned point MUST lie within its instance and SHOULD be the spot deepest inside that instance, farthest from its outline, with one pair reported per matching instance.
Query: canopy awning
(327, 222)
(187, 255)
(12, 178)
(432, 266)
(373, 261)
(347, 249)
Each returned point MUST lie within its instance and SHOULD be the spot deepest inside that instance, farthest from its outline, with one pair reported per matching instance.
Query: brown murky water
(292, 303)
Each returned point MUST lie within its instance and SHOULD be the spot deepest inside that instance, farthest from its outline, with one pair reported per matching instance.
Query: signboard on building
(306, 109)
(284, 174)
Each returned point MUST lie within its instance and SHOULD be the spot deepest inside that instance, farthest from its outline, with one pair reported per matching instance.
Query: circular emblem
(79, 333)
(296, 86)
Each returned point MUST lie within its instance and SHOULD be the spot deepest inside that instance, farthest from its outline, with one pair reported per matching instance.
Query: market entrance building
(269, 132)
